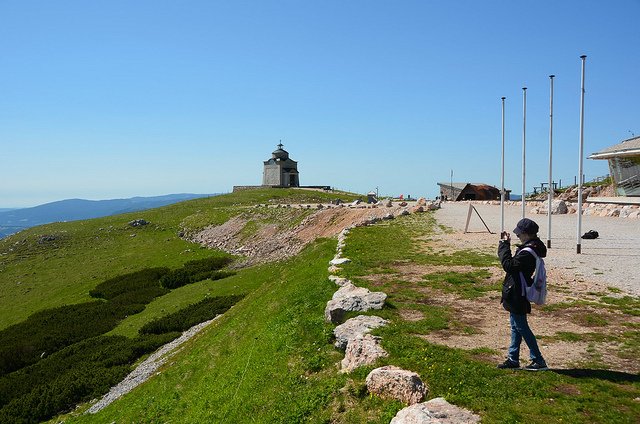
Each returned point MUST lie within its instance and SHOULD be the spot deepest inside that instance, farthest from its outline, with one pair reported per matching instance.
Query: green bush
(191, 315)
(57, 357)
(194, 271)
(50, 330)
(128, 283)
(77, 373)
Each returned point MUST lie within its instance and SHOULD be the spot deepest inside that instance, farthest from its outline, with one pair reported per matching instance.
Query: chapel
(280, 170)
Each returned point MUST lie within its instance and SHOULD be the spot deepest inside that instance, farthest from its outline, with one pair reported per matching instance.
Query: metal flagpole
(451, 181)
(524, 145)
(550, 163)
(580, 177)
(502, 176)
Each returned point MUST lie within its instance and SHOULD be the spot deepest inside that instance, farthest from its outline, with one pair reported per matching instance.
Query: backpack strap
(523, 281)
(530, 250)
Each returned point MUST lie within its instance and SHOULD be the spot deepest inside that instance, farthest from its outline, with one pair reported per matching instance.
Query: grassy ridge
(37, 274)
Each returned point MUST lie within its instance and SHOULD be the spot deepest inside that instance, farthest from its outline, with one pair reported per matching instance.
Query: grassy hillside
(270, 358)
(60, 268)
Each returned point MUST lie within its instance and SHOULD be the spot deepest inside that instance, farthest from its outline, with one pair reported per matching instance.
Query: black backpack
(591, 234)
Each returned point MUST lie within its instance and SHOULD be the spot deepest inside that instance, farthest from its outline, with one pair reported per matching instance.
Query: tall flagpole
(580, 177)
(550, 163)
(502, 176)
(524, 145)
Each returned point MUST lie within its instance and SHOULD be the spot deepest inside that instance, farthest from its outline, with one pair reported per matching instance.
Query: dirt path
(577, 328)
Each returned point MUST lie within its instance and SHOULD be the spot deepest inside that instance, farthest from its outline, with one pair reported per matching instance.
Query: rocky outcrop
(356, 327)
(361, 351)
(350, 298)
(435, 411)
(391, 382)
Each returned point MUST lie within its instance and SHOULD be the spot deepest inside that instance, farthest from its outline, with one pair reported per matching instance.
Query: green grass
(36, 276)
(270, 358)
(267, 358)
(468, 285)
(465, 378)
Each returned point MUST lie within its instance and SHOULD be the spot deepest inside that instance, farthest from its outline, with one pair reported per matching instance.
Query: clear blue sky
(108, 99)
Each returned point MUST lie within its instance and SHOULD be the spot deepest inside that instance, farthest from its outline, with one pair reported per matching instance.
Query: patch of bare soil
(261, 237)
(598, 329)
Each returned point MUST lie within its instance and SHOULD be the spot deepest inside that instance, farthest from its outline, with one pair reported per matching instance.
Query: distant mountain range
(14, 220)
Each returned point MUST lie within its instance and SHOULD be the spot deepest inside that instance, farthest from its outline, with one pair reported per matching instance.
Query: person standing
(523, 263)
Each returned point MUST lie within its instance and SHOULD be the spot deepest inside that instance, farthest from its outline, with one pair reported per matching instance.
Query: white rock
(350, 298)
(364, 350)
(356, 327)
(339, 261)
(435, 411)
(391, 382)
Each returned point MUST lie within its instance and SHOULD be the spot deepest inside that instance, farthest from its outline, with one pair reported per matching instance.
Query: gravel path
(610, 260)
(147, 368)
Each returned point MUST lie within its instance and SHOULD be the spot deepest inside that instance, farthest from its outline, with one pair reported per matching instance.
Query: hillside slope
(57, 264)
(15, 220)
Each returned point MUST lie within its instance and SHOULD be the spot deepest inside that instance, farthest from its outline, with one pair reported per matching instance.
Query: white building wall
(271, 175)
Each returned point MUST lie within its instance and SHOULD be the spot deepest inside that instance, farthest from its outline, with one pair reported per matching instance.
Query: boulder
(422, 201)
(356, 327)
(350, 298)
(361, 351)
(388, 203)
(391, 382)
(416, 209)
(435, 411)
(388, 216)
(558, 207)
(404, 212)
(403, 203)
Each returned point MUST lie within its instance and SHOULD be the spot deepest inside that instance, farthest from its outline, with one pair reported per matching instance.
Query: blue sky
(109, 99)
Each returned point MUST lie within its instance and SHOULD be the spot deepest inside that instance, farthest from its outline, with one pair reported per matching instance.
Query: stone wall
(593, 209)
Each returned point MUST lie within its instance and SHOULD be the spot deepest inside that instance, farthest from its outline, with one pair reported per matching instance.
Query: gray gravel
(612, 259)
(147, 368)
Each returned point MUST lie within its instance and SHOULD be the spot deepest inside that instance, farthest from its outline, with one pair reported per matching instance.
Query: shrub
(197, 270)
(193, 314)
(50, 330)
(128, 283)
(77, 373)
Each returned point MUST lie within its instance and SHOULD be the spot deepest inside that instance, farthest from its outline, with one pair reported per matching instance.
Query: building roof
(459, 186)
(629, 147)
(280, 153)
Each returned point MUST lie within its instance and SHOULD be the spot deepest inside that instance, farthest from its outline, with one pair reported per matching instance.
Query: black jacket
(512, 299)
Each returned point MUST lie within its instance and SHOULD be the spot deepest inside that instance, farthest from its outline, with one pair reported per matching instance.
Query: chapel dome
(280, 153)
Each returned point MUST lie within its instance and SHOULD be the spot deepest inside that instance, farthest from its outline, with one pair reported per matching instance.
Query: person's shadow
(613, 376)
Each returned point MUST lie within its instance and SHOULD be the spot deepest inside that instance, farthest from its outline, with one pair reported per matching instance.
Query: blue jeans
(520, 330)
